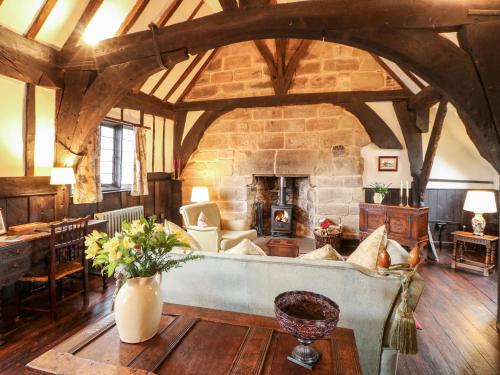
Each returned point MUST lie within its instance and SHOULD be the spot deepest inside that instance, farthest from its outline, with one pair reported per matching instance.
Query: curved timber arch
(387, 29)
(378, 131)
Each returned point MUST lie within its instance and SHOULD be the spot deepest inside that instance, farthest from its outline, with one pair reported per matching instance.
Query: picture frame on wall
(3, 230)
(388, 163)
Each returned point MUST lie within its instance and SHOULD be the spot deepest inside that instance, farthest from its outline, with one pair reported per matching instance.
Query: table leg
(487, 261)
(454, 254)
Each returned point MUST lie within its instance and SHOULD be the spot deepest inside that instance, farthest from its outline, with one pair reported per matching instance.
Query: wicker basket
(332, 239)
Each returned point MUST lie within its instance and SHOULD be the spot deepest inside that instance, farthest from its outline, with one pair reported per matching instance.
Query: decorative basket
(330, 239)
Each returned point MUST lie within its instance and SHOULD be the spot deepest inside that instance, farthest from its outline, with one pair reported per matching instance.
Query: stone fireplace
(318, 147)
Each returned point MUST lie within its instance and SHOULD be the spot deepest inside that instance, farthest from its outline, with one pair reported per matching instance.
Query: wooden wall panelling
(148, 201)
(81, 210)
(111, 201)
(42, 208)
(176, 203)
(17, 211)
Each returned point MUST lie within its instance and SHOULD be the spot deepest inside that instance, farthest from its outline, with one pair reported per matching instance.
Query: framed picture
(3, 230)
(388, 163)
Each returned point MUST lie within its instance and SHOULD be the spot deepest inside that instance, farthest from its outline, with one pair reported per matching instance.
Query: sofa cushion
(397, 252)
(230, 238)
(246, 247)
(326, 252)
(174, 228)
(202, 220)
(366, 253)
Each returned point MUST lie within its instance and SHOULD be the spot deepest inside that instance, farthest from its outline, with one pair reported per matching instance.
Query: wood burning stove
(281, 214)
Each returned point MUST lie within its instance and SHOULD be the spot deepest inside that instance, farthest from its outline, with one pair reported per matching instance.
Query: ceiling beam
(28, 60)
(380, 133)
(132, 17)
(424, 99)
(228, 4)
(147, 104)
(89, 12)
(283, 20)
(184, 75)
(430, 153)
(338, 98)
(40, 18)
(392, 73)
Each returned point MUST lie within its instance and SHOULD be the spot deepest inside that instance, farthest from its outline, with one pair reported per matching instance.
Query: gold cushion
(366, 253)
(326, 252)
(246, 247)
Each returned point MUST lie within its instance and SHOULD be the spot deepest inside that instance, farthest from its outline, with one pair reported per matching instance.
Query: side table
(459, 261)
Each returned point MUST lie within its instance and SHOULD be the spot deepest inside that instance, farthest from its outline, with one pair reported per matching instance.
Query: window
(117, 155)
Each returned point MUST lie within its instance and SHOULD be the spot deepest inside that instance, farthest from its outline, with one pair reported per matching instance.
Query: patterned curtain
(87, 188)
(140, 183)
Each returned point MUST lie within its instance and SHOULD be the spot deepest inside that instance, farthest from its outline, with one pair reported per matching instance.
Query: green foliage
(379, 187)
(141, 249)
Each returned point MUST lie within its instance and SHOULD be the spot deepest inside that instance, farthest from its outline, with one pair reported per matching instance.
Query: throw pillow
(397, 252)
(366, 253)
(326, 252)
(246, 247)
(202, 220)
(174, 228)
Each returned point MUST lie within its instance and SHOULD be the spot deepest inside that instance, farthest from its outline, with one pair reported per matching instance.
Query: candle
(401, 189)
(178, 168)
(407, 192)
(173, 167)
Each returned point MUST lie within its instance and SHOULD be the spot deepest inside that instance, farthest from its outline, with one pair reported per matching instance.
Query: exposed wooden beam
(146, 103)
(413, 140)
(422, 119)
(160, 81)
(29, 130)
(76, 34)
(183, 76)
(478, 41)
(28, 60)
(246, 4)
(424, 99)
(191, 84)
(287, 21)
(169, 12)
(413, 77)
(294, 61)
(267, 55)
(430, 153)
(179, 125)
(132, 17)
(291, 99)
(380, 133)
(195, 134)
(228, 4)
(40, 18)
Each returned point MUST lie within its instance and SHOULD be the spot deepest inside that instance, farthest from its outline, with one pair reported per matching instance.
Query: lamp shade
(62, 176)
(480, 201)
(199, 194)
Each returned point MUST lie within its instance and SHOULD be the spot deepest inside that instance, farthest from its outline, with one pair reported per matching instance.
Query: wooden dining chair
(66, 258)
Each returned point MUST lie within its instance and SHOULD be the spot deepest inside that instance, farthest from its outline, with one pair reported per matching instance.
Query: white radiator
(116, 217)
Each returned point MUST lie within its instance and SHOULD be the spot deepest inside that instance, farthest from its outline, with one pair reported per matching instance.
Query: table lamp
(199, 194)
(480, 202)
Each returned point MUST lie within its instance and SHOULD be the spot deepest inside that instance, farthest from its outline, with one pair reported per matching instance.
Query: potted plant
(379, 191)
(137, 257)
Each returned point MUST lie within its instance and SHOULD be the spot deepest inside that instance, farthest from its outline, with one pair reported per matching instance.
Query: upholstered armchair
(220, 235)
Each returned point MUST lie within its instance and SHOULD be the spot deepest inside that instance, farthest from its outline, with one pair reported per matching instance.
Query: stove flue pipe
(282, 191)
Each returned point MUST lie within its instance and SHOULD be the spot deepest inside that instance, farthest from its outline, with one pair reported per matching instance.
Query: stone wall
(239, 70)
(320, 141)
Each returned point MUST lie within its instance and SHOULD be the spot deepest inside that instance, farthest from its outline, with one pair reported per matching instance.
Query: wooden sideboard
(406, 225)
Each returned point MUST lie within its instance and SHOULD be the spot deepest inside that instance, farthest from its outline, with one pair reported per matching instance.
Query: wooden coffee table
(280, 247)
(193, 340)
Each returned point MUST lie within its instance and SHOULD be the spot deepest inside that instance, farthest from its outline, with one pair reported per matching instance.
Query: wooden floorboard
(457, 311)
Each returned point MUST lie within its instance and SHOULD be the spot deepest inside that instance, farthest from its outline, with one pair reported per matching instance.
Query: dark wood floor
(457, 312)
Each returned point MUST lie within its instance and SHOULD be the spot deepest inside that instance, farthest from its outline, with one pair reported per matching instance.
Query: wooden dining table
(28, 252)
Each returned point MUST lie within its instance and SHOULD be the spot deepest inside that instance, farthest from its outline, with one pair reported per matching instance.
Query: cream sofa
(249, 283)
(220, 234)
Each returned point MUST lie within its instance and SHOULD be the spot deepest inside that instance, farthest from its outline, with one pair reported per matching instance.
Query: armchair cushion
(246, 247)
(202, 220)
(241, 224)
(191, 212)
(230, 238)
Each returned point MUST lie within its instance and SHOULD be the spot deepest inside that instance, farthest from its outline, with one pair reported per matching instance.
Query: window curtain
(87, 187)
(140, 183)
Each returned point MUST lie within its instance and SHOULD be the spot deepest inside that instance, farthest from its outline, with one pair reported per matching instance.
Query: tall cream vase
(138, 307)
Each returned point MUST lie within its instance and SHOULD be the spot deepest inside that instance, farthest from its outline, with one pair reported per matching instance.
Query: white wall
(45, 114)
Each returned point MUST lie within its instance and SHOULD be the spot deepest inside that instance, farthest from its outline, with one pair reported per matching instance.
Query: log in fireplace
(281, 213)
